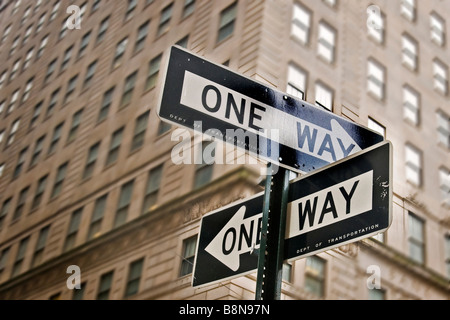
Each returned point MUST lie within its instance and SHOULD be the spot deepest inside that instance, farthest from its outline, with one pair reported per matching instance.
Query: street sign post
(265, 122)
(342, 203)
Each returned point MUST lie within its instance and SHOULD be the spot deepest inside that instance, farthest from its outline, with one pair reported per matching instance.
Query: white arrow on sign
(237, 237)
(242, 111)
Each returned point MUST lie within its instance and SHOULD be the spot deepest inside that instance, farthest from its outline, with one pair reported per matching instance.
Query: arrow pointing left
(237, 237)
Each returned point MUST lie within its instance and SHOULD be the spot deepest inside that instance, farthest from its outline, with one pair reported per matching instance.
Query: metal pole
(271, 251)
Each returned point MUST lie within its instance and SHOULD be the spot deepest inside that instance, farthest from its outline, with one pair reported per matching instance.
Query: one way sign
(339, 204)
(265, 122)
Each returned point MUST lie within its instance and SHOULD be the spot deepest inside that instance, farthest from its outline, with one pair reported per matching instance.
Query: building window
(128, 89)
(377, 127)
(120, 51)
(20, 162)
(315, 276)
(102, 30)
(411, 105)
(40, 246)
(66, 59)
(301, 23)
(59, 180)
(84, 43)
(408, 9)
(63, 31)
(166, 15)
(12, 102)
(50, 69)
(36, 113)
(189, 7)
(97, 217)
(114, 147)
(56, 296)
(326, 46)
(416, 238)
(440, 75)
(54, 10)
(104, 287)
(21, 202)
(12, 132)
(443, 129)
(14, 70)
(2, 78)
(27, 61)
(40, 23)
(37, 151)
(447, 254)
(409, 52)
(124, 203)
(444, 181)
(376, 26)
(20, 257)
(152, 188)
(106, 104)
(71, 85)
(188, 256)
(76, 120)
(26, 35)
(183, 42)
(163, 127)
(3, 259)
(139, 131)
(89, 74)
(437, 28)
(39, 192)
(227, 22)
(153, 71)
(204, 171)
(130, 9)
(141, 36)
(296, 85)
(16, 7)
(413, 165)
(134, 278)
(324, 96)
(42, 46)
(376, 79)
(72, 232)
(287, 272)
(4, 211)
(5, 34)
(53, 101)
(91, 160)
(377, 294)
(78, 294)
(55, 138)
(14, 45)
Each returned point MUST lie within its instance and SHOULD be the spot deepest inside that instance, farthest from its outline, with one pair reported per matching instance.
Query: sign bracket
(271, 251)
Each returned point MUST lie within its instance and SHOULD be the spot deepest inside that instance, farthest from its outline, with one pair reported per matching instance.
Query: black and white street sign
(339, 204)
(265, 122)
(342, 203)
(228, 241)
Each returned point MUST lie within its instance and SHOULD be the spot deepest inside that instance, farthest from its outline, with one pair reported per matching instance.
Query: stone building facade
(86, 176)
